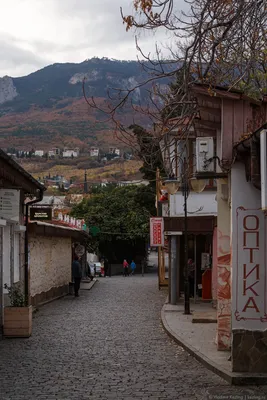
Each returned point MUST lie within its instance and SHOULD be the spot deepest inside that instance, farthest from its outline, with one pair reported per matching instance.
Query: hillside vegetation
(116, 171)
(48, 107)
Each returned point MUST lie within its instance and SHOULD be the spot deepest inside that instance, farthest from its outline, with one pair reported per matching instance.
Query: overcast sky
(36, 33)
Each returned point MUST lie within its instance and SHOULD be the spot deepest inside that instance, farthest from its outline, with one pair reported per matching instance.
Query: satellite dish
(79, 250)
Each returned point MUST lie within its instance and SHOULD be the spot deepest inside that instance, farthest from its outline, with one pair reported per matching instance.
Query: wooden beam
(205, 100)
(218, 92)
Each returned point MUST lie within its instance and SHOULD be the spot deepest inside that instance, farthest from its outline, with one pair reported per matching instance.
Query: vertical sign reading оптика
(251, 283)
(156, 232)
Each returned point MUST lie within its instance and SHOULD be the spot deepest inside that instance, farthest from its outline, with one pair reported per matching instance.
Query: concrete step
(204, 317)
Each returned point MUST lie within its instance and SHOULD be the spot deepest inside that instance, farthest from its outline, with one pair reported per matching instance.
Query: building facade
(69, 153)
(17, 188)
(236, 170)
(230, 117)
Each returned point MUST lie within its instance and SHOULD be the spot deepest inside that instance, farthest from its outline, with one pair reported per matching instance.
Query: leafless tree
(214, 42)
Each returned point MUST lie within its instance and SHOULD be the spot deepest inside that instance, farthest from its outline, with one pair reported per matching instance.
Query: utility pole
(85, 186)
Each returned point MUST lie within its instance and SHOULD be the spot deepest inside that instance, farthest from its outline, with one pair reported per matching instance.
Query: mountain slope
(58, 81)
(47, 107)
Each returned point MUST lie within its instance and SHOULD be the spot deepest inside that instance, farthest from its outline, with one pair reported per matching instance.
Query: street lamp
(172, 185)
(198, 185)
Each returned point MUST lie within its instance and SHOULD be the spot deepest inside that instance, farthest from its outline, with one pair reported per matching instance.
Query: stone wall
(249, 351)
(214, 268)
(224, 270)
(50, 267)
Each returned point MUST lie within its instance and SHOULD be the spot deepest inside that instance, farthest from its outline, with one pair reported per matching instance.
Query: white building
(56, 150)
(39, 153)
(135, 183)
(94, 152)
(114, 150)
(16, 185)
(68, 153)
(51, 154)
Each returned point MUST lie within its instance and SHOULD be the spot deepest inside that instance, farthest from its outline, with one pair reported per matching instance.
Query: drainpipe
(26, 246)
(255, 170)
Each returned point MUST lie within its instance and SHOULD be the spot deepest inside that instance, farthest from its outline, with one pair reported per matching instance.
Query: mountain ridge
(47, 106)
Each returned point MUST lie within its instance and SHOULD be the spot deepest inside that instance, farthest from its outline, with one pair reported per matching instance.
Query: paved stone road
(107, 344)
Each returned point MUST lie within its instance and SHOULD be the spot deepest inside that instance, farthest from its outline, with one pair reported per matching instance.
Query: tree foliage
(149, 152)
(213, 42)
(216, 42)
(122, 216)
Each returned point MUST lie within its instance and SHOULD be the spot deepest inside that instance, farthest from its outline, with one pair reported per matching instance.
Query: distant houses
(56, 152)
(114, 150)
(94, 152)
(39, 153)
(51, 154)
(70, 153)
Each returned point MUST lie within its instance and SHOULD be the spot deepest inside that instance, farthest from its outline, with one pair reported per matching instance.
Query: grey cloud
(15, 58)
(96, 30)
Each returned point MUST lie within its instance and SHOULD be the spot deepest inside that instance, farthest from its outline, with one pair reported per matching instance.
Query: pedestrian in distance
(133, 267)
(76, 274)
(125, 268)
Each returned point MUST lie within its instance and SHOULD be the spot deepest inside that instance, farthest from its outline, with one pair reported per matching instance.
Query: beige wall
(49, 262)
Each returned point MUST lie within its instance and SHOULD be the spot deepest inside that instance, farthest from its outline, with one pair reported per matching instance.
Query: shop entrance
(200, 255)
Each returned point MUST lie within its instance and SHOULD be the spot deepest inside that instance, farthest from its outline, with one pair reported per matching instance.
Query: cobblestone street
(106, 344)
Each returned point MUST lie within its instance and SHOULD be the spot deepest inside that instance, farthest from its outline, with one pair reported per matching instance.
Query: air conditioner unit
(205, 153)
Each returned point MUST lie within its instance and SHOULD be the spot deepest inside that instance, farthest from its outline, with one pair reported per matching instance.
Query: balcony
(198, 204)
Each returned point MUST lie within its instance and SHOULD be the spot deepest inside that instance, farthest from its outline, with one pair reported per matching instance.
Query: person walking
(76, 274)
(125, 268)
(133, 267)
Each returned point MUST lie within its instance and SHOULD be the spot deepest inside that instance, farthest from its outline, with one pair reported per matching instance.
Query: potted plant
(17, 316)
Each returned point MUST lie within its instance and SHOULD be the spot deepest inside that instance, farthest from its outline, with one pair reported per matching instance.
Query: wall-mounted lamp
(198, 185)
(172, 185)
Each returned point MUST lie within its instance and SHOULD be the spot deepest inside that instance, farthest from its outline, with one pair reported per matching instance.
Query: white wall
(6, 256)
(39, 153)
(198, 204)
(70, 153)
(249, 303)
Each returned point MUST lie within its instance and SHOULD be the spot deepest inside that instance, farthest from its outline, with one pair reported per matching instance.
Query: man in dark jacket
(76, 275)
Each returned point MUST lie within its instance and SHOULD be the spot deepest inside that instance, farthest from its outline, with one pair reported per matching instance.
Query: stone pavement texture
(107, 344)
